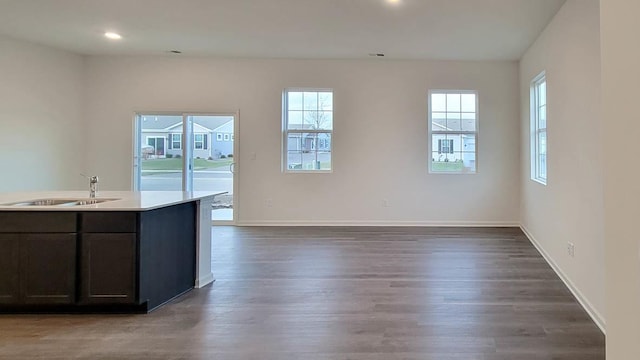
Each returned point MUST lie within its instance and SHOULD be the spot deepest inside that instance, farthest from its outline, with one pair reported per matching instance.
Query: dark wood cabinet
(37, 258)
(108, 270)
(96, 261)
(108, 222)
(9, 269)
(38, 222)
(48, 268)
(108, 255)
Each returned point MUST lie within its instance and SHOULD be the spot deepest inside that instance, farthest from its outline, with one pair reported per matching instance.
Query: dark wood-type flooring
(374, 293)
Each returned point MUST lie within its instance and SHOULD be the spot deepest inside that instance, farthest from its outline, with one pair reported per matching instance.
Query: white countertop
(125, 200)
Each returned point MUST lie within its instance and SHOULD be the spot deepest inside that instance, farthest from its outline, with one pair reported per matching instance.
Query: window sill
(308, 171)
(451, 173)
(539, 181)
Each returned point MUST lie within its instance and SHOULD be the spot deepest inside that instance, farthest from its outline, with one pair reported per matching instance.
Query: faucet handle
(93, 179)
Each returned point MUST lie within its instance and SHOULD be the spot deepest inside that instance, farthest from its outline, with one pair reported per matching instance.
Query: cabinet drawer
(108, 222)
(37, 222)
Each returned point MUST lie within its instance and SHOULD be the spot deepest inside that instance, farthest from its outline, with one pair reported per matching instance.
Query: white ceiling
(413, 29)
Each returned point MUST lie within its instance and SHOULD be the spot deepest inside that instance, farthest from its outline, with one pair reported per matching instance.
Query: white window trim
(535, 130)
(448, 149)
(286, 132)
(430, 131)
(219, 136)
(226, 137)
(195, 142)
(179, 141)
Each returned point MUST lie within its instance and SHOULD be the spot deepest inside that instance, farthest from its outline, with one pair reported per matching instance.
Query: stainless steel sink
(92, 201)
(60, 202)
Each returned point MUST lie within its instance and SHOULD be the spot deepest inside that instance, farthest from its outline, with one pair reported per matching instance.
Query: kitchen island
(63, 251)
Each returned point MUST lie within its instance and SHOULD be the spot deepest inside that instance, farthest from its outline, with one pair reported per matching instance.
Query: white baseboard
(379, 223)
(593, 313)
(204, 281)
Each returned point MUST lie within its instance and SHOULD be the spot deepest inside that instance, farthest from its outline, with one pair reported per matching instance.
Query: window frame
(445, 149)
(196, 141)
(174, 142)
(218, 136)
(305, 132)
(536, 130)
(431, 133)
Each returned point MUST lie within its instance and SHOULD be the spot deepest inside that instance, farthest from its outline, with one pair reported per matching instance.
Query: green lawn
(176, 164)
(452, 166)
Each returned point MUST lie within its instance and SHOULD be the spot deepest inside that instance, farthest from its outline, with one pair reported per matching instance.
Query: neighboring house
(222, 139)
(452, 147)
(212, 137)
(307, 142)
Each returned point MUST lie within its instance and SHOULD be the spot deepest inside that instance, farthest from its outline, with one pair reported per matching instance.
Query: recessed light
(394, 2)
(112, 36)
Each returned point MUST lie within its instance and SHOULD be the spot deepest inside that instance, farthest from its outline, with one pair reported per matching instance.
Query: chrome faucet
(93, 185)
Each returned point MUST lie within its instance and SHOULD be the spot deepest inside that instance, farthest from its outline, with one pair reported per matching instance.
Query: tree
(318, 116)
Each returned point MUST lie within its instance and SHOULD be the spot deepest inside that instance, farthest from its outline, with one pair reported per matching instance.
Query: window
(200, 141)
(226, 137)
(307, 119)
(176, 141)
(157, 143)
(445, 146)
(323, 144)
(219, 136)
(539, 129)
(453, 131)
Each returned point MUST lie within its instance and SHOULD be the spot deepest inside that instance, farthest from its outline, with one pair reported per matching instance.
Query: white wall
(40, 117)
(570, 207)
(380, 143)
(621, 119)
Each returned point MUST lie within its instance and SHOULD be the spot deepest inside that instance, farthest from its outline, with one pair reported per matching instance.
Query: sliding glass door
(159, 159)
(188, 152)
(213, 149)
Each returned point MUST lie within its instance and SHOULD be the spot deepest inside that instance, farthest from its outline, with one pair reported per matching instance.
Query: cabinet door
(48, 268)
(9, 279)
(108, 274)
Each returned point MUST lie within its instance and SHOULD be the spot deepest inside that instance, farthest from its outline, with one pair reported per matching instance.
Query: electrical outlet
(268, 203)
(385, 203)
(571, 249)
